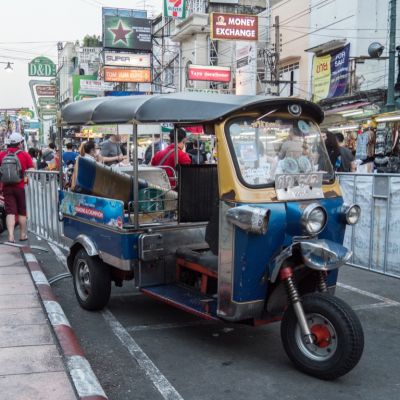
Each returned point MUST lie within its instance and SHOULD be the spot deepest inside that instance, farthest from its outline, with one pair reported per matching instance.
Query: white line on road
(173, 325)
(161, 383)
(369, 294)
(372, 306)
(60, 255)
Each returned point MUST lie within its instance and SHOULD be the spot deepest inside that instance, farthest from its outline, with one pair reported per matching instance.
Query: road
(142, 349)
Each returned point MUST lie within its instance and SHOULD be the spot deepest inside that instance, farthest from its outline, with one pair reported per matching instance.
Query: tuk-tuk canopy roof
(173, 107)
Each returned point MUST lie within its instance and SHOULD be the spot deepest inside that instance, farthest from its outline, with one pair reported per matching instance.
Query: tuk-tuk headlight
(352, 213)
(314, 219)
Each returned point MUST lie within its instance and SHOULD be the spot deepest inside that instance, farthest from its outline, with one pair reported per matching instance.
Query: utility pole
(390, 105)
(277, 49)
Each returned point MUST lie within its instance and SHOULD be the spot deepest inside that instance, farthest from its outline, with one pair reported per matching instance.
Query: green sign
(175, 8)
(42, 67)
(44, 101)
(76, 85)
(127, 33)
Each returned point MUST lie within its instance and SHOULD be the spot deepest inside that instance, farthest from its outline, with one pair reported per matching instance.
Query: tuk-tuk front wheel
(338, 338)
(92, 281)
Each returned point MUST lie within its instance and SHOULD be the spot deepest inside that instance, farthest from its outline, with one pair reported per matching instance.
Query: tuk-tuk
(253, 238)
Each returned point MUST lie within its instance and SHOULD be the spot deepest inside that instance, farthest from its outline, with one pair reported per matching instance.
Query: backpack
(10, 169)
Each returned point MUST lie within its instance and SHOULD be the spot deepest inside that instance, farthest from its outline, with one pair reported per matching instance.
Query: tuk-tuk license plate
(299, 186)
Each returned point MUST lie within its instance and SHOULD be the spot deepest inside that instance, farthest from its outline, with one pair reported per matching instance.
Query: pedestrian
(153, 148)
(111, 151)
(69, 156)
(332, 147)
(34, 155)
(197, 154)
(347, 163)
(13, 163)
(166, 157)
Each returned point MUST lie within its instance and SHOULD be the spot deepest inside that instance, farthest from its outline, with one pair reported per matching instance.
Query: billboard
(127, 75)
(331, 74)
(45, 90)
(246, 68)
(42, 67)
(127, 33)
(124, 12)
(76, 86)
(175, 8)
(207, 73)
(127, 59)
(234, 26)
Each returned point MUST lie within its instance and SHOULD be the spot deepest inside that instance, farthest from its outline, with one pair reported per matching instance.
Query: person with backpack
(13, 163)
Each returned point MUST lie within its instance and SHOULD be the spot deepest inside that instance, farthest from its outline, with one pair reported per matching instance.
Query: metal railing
(375, 240)
(42, 205)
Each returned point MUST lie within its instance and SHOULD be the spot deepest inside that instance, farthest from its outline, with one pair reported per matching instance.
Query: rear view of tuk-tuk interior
(254, 236)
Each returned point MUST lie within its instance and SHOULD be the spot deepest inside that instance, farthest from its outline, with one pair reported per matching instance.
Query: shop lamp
(385, 119)
(343, 128)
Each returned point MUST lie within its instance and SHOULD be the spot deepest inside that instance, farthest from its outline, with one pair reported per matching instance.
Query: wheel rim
(82, 279)
(324, 335)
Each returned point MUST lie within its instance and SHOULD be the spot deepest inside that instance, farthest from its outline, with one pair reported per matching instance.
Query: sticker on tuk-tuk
(299, 186)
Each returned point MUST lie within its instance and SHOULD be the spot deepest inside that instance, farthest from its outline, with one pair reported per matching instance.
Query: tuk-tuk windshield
(262, 148)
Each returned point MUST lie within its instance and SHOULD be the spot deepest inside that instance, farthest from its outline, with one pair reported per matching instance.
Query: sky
(31, 28)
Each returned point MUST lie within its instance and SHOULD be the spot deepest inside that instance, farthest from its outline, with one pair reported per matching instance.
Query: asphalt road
(142, 349)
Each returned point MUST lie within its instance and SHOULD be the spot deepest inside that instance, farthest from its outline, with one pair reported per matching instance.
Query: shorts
(14, 200)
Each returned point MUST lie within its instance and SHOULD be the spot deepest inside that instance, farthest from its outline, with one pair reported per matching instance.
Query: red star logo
(120, 33)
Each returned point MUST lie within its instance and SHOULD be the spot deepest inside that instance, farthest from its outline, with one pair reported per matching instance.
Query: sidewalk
(31, 363)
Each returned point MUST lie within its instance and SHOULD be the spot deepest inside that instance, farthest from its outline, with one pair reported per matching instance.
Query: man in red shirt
(166, 157)
(14, 194)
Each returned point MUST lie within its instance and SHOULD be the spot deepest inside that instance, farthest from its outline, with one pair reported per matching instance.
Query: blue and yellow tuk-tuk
(254, 238)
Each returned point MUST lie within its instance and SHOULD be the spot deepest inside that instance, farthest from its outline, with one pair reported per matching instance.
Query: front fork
(286, 275)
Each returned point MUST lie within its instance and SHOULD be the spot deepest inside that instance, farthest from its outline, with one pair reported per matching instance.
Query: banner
(234, 26)
(246, 68)
(175, 8)
(127, 33)
(331, 74)
(207, 73)
(127, 75)
(127, 59)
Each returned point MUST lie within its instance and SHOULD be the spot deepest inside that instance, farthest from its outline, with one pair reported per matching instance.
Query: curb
(85, 381)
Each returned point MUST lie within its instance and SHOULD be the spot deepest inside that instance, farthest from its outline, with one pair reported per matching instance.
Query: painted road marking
(139, 328)
(60, 255)
(56, 313)
(384, 300)
(160, 382)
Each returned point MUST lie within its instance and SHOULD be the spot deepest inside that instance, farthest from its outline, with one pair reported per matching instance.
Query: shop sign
(127, 33)
(212, 74)
(76, 86)
(127, 59)
(47, 101)
(331, 74)
(96, 86)
(45, 90)
(246, 68)
(175, 8)
(42, 67)
(234, 26)
(127, 75)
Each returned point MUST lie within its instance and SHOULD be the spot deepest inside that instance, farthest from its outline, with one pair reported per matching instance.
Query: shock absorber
(286, 275)
(322, 282)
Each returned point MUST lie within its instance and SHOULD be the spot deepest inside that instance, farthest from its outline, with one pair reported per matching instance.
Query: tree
(92, 41)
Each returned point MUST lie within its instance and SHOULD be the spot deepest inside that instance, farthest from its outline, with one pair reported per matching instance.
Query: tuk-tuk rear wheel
(92, 281)
(337, 334)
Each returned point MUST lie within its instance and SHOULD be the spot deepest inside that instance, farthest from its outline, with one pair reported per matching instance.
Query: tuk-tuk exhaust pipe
(286, 275)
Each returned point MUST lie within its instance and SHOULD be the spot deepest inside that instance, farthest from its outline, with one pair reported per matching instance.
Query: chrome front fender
(317, 254)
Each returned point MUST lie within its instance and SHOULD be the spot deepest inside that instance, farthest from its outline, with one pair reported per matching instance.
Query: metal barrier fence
(375, 240)
(42, 206)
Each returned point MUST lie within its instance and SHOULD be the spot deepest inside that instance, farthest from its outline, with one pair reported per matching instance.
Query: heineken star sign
(127, 33)
(42, 67)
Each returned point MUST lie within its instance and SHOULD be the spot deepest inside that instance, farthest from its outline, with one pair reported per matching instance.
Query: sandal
(23, 240)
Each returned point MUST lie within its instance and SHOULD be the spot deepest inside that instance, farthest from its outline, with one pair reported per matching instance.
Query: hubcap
(324, 338)
(83, 279)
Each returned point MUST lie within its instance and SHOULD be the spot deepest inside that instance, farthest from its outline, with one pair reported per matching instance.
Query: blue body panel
(111, 241)
(254, 253)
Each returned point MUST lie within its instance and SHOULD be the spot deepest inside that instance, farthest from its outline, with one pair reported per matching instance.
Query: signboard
(224, 1)
(95, 86)
(76, 85)
(44, 101)
(127, 33)
(246, 68)
(127, 59)
(125, 93)
(124, 12)
(206, 73)
(127, 75)
(234, 26)
(331, 74)
(45, 90)
(42, 67)
(175, 8)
